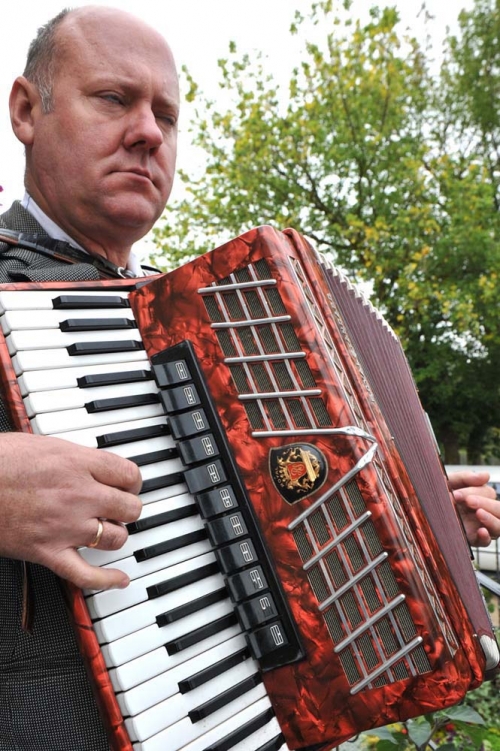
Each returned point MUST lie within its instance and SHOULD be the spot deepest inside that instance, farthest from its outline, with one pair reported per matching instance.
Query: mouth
(142, 173)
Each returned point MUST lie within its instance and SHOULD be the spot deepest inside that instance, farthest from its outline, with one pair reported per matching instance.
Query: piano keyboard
(178, 659)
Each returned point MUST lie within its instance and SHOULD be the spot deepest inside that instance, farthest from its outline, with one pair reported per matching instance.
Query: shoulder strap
(61, 251)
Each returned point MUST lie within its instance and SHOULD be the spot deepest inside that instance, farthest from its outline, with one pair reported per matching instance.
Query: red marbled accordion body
(312, 698)
(327, 697)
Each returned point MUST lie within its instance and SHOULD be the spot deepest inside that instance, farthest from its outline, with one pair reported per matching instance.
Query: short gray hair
(41, 60)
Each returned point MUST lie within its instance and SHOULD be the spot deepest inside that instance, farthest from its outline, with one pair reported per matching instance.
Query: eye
(168, 120)
(112, 98)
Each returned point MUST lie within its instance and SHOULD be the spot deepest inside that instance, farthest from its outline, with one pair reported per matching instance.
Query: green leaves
(463, 713)
(393, 171)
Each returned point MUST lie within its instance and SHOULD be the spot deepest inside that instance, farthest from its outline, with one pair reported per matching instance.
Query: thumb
(71, 566)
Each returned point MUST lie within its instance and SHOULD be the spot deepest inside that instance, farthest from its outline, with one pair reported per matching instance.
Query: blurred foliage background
(388, 163)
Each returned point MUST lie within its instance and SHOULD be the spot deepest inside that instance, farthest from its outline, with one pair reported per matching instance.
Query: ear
(25, 106)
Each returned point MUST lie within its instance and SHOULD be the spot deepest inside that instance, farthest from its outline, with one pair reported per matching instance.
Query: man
(97, 112)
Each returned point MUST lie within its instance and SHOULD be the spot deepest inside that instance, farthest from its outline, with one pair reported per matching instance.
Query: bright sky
(199, 32)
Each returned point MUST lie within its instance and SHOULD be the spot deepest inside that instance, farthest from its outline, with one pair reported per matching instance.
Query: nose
(143, 130)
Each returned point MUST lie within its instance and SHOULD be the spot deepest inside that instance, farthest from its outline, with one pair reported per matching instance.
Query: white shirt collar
(53, 230)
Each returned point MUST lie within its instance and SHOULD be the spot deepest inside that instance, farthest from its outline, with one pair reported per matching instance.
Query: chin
(135, 212)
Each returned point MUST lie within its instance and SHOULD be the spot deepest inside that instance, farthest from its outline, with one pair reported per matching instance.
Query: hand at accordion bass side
(478, 506)
(53, 495)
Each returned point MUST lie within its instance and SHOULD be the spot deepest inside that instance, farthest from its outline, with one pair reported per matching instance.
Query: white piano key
(149, 638)
(47, 359)
(176, 707)
(173, 493)
(39, 402)
(131, 677)
(66, 378)
(122, 624)
(158, 469)
(112, 601)
(135, 569)
(44, 299)
(22, 341)
(159, 685)
(166, 504)
(147, 446)
(141, 540)
(80, 419)
(213, 728)
(19, 320)
(88, 436)
(163, 493)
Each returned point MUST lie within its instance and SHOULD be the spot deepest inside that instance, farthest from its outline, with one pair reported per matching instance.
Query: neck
(115, 250)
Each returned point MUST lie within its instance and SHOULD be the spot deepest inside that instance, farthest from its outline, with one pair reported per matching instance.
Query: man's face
(102, 160)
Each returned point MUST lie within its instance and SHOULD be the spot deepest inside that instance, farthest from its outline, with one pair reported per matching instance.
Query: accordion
(299, 573)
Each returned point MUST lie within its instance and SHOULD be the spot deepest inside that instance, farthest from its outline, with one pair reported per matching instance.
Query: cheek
(167, 164)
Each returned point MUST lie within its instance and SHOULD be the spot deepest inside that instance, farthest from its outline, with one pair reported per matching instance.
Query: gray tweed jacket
(46, 703)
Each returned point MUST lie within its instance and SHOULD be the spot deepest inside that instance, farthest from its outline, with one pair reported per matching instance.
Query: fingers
(458, 480)
(71, 566)
(482, 538)
(107, 535)
(115, 504)
(490, 521)
(49, 509)
(115, 471)
(480, 512)
(487, 500)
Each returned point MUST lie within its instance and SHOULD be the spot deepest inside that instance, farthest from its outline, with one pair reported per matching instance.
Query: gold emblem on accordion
(297, 470)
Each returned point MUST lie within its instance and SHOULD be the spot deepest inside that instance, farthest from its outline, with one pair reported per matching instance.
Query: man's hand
(478, 506)
(53, 494)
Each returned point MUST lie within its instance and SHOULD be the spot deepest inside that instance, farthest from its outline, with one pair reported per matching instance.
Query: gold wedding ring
(97, 539)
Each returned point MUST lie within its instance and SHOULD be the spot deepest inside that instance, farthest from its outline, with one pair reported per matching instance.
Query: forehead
(108, 44)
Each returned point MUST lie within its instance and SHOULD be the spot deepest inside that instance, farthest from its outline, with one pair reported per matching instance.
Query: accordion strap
(61, 251)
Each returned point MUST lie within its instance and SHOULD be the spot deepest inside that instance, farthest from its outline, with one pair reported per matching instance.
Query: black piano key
(158, 520)
(129, 436)
(247, 583)
(168, 546)
(153, 457)
(121, 402)
(113, 379)
(195, 606)
(225, 744)
(179, 398)
(165, 481)
(277, 742)
(170, 373)
(205, 476)
(83, 302)
(199, 634)
(267, 639)
(103, 348)
(226, 529)
(199, 449)
(177, 582)
(216, 501)
(187, 423)
(235, 556)
(198, 679)
(97, 324)
(223, 699)
(257, 611)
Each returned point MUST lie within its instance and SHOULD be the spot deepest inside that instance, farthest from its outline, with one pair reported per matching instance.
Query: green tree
(385, 167)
